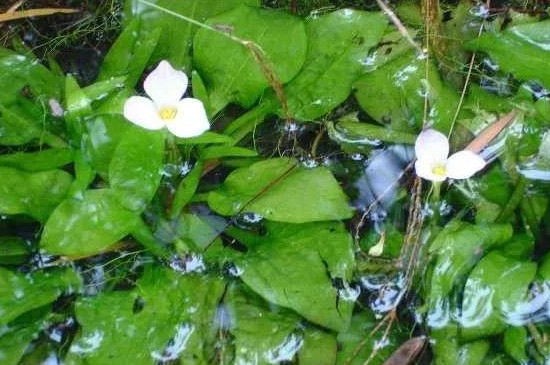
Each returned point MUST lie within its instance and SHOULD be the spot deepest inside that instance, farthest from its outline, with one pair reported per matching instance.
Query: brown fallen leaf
(489, 133)
(34, 12)
(407, 352)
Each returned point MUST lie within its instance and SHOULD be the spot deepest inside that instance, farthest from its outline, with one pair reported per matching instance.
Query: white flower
(432, 150)
(165, 86)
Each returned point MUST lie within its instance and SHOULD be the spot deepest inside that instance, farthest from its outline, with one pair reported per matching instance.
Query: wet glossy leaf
(280, 190)
(319, 348)
(394, 94)
(21, 293)
(13, 251)
(130, 53)
(87, 226)
(17, 336)
(167, 317)
(448, 350)
(293, 265)
(136, 167)
(207, 138)
(357, 344)
(186, 189)
(492, 293)
(17, 126)
(521, 50)
(48, 159)
(104, 132)
(458, 248)
(214, 152)
(33, 193)
(230, 70)
(176, 34)
(18, 71)
(352, 132)
(515, 342)
(338, 42)
(263, 335)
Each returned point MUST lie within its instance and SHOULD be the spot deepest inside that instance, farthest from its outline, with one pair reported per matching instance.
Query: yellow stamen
(439, 171)
(168, 113)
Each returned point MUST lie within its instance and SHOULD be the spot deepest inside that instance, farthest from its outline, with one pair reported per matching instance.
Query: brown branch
(8, 16)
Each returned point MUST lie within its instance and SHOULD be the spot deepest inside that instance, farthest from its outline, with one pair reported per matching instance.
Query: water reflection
(378, 185)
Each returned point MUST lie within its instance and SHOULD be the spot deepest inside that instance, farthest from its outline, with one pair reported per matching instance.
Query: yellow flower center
(439, 171)
(168, 113)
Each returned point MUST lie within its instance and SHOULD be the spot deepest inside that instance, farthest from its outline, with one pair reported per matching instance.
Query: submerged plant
(434, 163)
(165, 107)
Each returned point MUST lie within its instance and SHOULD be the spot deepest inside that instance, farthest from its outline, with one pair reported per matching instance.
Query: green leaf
(394, 94)
(87, 226)
(338, 42)
(515, 342)
(292, 266)
(357, 343)
(38, 161)
(17, 126)
(21, 293)
(281, 190)
(206, 138)
(18, 334)
(458, 247)
(130, 54)
(521, 50)
(448, 351)
(166, 317)
(214, 152)
(263, 334)
(135, 170)
(176, 35)
(353, 132)
(493, 291)
(101, 89)
(319, 348)
(18, 71)
(104, 133)
(231, 71)
(186, 189)
(13, 251)
(33, 193)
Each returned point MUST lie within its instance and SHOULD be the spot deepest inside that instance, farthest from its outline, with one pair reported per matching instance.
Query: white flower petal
(143, 112)
(191, 119)
(165, 85)
(464, 164)
(424, 169)
(431, 145)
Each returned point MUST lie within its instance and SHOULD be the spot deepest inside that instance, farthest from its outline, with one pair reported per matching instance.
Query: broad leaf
(136, 167)
(282, 190)
(104, 132)
(394, 94)
(522, 50)
(263, 335)
(33, 193)
(231, 71)
(18, 71)
(492, 295)
(167, 317)
(294, 265)
(176, 35)
(38, 161)
(21, 293)
(87, 226)
(338, 42)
